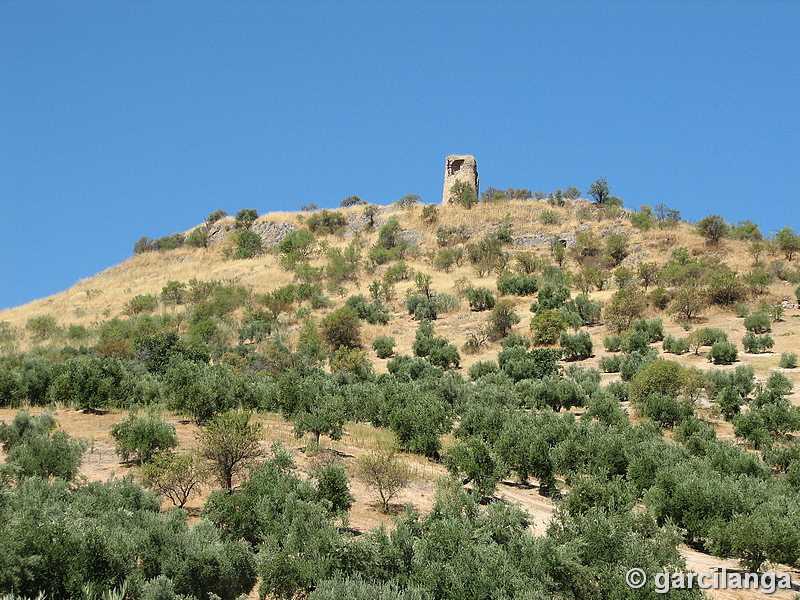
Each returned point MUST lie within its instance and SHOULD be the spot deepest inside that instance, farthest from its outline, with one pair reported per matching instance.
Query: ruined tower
(459, 168)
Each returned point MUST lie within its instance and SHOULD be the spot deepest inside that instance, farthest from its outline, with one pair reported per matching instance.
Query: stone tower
(459, 168)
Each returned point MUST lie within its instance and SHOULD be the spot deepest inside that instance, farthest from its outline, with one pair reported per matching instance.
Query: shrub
(757, 344)
(245, 218)
(398, 272)
(626, 305)
(332, 486)
(549, 217)
(674, 345)
(351, 201)
(658, 377)
(326, 222)
(144, 244)
(408, 200)
(342, 328)
(248, 244)
(480, 299)
(758, 322)
(610, 364)
(198, 238)
(546, 326)
(430, 214)
(42, 328)
(576, 347)
(383, 475)
(384, 346)
(215, 216)
(723, 353)
(481, 368)
(174, 476)
(462, 193)
(373, 313)
(423, 308)
(713, 228)
(518, 285)
(502, 318)
(297, 245)
(141, 438)
(613, 343)
(140, 304)
(788, 360)
(389, 236)
(654, 328)
(664, 409)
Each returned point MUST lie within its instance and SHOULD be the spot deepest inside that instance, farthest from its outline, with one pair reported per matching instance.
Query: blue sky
(125, 119)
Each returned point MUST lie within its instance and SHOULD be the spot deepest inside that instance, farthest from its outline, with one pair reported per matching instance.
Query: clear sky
(127, 119)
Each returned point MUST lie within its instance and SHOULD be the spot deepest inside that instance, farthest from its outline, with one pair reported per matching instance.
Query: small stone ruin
(459, 168)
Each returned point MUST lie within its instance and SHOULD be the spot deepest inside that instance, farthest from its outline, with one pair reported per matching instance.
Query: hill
(583, 361)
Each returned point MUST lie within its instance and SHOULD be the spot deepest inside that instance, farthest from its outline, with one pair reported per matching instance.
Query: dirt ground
(100, 463)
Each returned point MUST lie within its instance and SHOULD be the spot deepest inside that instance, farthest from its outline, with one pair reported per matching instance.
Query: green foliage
(327, 222)
(616, 248)
(788, 242)
(174, 476)
(665, 409)
(723, 353)
(660, 377)
(389, 237)
(248, 244)
(486, 256)
(549, 217)
(141, 438)
(35, 448)
(463, 193)
(384, 475)
(502, 318)
(424, 308)
(372, 312)
(140, 304)
(430, 214)
(599, 190)
(351, 201)
(215, 216)
(384, 346)
(480, 298)
(626, 305)
(546, 327)
(674, 345)
(481, 368)
(324, 417)
(517, 285)
(342, 327)
(643, 219)
(757, 344)
(231, 443)
(577, 346)
(688, 303)
(713, 228)
(174, 292)
(296, 247)
(245, 218)
(447, 258)
(198, 238)
(725, 288)
(332, 486)
(408, 200)
(610, 364)
(475, 462)
(788, 360)
(42, 328)
(758, 322)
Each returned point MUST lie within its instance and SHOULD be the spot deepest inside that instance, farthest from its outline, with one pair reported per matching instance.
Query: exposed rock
(273, 233)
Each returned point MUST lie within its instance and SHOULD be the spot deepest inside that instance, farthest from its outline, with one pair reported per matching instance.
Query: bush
(613, 343)
(35, 448)
(351, 201)
(723, 353)
(42, 328)
(481, 368)
(480, 299)
(664, 409)
(757, 344)
(518, 285)
(215, 216)
(664, 377)
(245, 218)
(674, 345)
(141, 438)
(546, 326)
(502, 318)
(383, 475)
(384, 346)
(140, 304)
(198, 238)
(549, 217)
(788, 360)
(576, 347)
(248, 244)
(332, 486)
(610, 364)
(373, 313)
(342, 328)
(326, 222)
(758, 322)
(174, 476)
(430, 214)
(423, 308)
